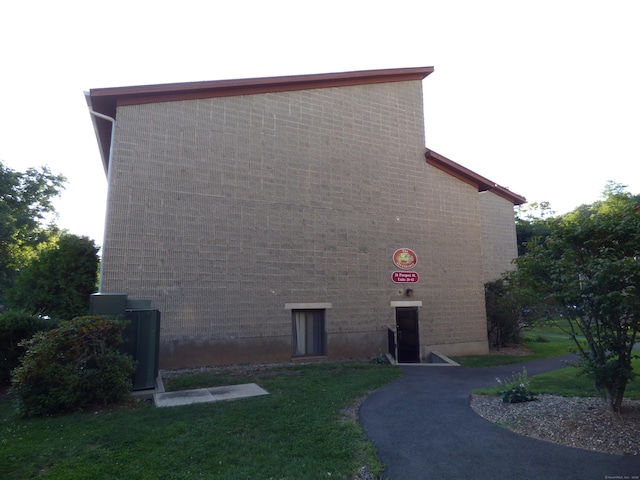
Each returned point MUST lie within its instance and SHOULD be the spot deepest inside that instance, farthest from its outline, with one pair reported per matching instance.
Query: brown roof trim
(106, 100)
(472, 178)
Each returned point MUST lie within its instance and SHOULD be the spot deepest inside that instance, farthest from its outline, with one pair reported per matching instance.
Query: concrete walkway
(205, 395)
(424, 428)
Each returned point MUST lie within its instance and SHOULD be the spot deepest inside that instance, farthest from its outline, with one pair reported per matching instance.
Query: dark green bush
(516, 394)
(16, 326)
(503, 316)
(517, 390)
(73, 366)
(537, 339)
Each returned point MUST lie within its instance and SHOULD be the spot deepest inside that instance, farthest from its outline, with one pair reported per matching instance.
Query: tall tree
(531, 223)
(26, 198)
(587, 270)
(59, 282)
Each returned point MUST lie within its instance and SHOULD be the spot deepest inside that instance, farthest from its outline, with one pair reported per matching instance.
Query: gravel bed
(574, 422)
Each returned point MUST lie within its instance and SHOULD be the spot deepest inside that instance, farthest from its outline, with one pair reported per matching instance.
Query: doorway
(408, 339)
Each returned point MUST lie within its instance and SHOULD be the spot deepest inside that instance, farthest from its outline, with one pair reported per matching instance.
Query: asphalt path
(424, 428)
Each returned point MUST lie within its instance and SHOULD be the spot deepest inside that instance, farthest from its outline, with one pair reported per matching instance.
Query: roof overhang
(105, 101)
(472, 178)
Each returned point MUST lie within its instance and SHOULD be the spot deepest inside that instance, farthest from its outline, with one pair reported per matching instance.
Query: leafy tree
(59, 282)
(531, 223)
(587, 270)
(25, 201)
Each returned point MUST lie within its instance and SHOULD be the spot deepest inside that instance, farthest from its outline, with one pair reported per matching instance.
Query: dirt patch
(352, 411)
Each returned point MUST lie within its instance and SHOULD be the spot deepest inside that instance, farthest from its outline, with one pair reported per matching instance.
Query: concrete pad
(205, 395)
(237, 391)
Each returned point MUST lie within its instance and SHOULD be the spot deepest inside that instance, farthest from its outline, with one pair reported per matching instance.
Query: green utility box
(108, 304)
(142, 342)
(141, 336)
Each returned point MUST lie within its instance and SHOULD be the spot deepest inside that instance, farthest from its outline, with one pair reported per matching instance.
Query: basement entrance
(408, 339)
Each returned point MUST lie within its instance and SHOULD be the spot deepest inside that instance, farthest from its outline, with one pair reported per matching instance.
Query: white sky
(541, 97)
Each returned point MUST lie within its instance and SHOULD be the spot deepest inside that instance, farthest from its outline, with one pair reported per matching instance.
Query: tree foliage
(59, 282)
(25, 201)
(587, 271)
(531, 223)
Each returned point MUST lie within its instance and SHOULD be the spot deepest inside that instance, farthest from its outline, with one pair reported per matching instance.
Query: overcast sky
(540, 97)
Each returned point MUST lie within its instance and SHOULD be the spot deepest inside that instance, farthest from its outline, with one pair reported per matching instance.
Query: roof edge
(192, 90)
(470, 177)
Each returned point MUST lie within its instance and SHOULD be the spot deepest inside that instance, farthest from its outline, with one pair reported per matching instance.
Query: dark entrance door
(407, 335)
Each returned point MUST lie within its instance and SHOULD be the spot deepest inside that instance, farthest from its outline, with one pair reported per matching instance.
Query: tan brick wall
(499, 245)
(454, 310)
(223, 210)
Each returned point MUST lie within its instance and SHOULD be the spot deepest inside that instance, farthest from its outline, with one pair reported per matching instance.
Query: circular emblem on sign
(405, 258)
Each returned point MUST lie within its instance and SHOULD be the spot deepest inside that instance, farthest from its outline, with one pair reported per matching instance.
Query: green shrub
(72, 366)
(16, 326)
(504, 318)
(517, 390)
(517, 394)
(536, 339)
(379, 359)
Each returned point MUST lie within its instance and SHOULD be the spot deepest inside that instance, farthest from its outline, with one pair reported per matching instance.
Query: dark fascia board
(106, 100)
(472, 178)
(135, 95)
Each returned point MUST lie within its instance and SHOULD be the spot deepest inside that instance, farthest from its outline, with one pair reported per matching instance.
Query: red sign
(405, 258)
(405, 277)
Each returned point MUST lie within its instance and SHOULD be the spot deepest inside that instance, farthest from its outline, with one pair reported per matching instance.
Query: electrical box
(141, 335)
(108, 304)
(142, 342)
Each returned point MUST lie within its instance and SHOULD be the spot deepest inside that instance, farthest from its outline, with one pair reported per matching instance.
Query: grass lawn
(565, 382)
(294, 433)
(557, 343)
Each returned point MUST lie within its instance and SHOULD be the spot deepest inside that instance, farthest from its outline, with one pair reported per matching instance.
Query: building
(277, 218)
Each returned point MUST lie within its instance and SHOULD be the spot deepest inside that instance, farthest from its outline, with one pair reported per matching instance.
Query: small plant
(517, 388)
(72, 366)
(379, 359)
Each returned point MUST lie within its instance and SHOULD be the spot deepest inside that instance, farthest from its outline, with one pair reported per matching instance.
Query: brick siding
(223, 210)
(499, 245)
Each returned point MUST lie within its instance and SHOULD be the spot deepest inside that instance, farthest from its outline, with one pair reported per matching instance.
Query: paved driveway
(424, 428)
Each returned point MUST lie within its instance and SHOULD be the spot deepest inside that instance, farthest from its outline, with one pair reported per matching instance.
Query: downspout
(111, 142)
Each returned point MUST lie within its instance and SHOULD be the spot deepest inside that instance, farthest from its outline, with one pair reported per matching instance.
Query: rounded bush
(72, 366)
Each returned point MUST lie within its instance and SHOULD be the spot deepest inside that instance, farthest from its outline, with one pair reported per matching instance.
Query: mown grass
(545, 341)
(557, 343)
(296, 432)
(566, 382)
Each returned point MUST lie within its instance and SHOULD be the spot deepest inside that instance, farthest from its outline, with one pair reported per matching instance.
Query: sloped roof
(472, 178)
(105, 101)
